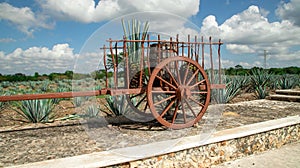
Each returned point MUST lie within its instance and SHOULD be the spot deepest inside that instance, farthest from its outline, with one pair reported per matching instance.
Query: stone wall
(223, 151)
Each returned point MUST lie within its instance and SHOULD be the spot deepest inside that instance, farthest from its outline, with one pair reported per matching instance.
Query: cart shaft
(51, 95)
(109, 91)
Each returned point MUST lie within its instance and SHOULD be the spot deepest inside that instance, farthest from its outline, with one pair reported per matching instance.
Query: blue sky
(50, 36)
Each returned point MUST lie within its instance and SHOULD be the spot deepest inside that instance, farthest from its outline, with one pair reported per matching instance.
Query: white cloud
(239, 49)
(38, 59)
(170, 15)
(7, 40)
(227, 63)
(245, 64)
(290, 11)
(24, 18)
(250, 32)
(87, 11)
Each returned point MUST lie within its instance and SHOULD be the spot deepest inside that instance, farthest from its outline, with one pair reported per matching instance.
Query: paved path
(288, 156)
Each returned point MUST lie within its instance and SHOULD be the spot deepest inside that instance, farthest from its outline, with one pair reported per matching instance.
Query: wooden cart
(162, 78)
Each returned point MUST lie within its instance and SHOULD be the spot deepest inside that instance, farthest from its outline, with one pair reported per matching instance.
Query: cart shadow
(148, 126)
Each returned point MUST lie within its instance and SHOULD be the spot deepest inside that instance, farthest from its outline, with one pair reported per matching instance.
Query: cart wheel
(178, 92)
(138, 102)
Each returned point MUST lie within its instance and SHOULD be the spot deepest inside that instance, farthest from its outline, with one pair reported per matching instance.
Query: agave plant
(2, 104)
(45, 86)
(135, 32)
(259, 80)
(288, 82)
(57, 100)
(92, 111)
(78, 101)
(232, 89)
(261, 92)
(274, 82)
(36, 111)
(234, 85)
(117, 105)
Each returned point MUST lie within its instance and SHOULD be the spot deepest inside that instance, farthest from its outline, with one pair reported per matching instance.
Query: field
(258, 85)
(62, 132)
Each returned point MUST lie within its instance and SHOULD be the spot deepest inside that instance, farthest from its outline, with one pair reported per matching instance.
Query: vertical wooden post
(202, 41)
(211, 61)
(126, 75)
(105, 67)
(219, 58)
(189, 46)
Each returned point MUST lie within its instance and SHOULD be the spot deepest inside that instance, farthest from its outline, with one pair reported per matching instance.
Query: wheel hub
(183, 92)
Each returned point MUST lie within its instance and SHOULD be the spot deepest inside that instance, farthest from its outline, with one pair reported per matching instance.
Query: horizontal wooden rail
(51, 95)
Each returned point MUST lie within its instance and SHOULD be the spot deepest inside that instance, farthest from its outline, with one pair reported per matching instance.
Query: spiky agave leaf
(261, 92)
(134, 32)
(36, 111)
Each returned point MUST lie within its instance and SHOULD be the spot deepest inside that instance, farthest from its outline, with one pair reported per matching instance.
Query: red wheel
(178, 92)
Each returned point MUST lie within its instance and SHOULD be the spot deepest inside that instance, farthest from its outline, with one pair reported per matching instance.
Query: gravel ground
(32, 145)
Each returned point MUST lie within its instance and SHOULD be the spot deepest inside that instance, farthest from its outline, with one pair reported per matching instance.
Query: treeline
(239, 70)
(52, 76)
(100, 74)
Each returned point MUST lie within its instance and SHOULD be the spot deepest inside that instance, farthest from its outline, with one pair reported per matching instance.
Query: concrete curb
(129, 154)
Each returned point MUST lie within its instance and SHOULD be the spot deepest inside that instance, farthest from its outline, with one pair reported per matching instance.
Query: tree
(69, 74)
(238, 67)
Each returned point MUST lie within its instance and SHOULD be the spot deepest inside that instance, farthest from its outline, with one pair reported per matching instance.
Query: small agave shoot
(36, 111)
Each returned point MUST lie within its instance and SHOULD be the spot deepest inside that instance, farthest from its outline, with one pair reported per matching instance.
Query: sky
(48, 36)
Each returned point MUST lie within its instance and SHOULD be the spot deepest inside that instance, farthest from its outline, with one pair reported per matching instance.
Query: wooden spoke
(169, 72)
(193, 92)
(166, 82)
(136, 95)
(175, 112)
(200, 104)
(177, 72)
(163, 100)
(184, 114)
(185, 73)
(190, 107)
(193, 77)
(138, 104)
(163, 92)
(147, 105)
(167, 108)
(198, 83)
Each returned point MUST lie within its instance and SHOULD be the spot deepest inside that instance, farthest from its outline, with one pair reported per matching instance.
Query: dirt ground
(9, 117)
(32, 145)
